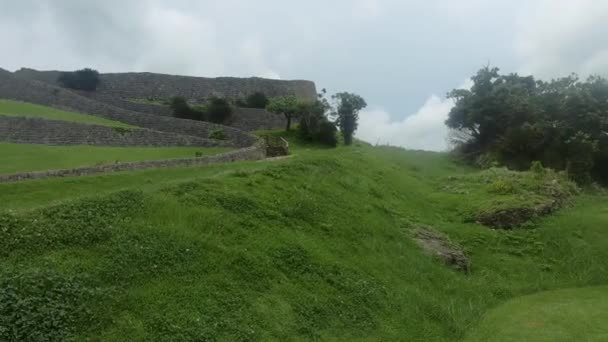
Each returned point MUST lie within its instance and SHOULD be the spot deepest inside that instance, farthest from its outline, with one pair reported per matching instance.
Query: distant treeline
(514, 120)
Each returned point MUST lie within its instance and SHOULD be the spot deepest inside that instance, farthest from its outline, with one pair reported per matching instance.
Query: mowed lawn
(25, 157)
(16, 108)
(562, 315)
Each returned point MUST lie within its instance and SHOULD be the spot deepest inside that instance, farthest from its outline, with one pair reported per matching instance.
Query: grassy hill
(16, 108)
(315, 247)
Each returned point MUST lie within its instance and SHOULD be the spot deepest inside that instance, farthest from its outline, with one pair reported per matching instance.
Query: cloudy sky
(402, 56)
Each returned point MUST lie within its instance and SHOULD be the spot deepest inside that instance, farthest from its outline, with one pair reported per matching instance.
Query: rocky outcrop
(440, 246)
(54, 132)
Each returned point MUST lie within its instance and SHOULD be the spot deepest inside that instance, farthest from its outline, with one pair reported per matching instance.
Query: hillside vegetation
(319, 246)
(16, 108)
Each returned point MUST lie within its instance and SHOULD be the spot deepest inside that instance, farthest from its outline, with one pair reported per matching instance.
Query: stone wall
(254, 152)
(54, 132)
(128, 105)
(45, 94)
(246, 119)
(144, 84)
(253, 119)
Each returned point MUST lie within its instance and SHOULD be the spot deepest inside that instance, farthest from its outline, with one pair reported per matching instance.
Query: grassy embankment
(30, 157)
(318, 246)
(16, 108)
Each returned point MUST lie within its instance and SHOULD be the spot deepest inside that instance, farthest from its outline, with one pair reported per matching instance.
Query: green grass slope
(553, 316)
(315, 247)
(25, 157)
(15, 108)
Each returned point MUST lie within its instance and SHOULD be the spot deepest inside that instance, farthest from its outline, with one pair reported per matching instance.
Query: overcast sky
(402, 56)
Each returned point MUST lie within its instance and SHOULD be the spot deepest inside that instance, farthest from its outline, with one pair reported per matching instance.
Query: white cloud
(424, 130)
(558, 37)
(254, 59)
(175, 41)
(367, 9)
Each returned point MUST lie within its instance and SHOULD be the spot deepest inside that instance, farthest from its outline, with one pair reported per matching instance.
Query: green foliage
(286, 105)
(42, 305)
(123, 130)
(219, 110)
(562, 123)
(314, 126)
(501, 187)
(216, 110)
(182, 110)
(327, 134)
(256, 100)
(537, 168)
(86, 79)
(217, 134)
(313, 247)
(581, 150)
(347, 113)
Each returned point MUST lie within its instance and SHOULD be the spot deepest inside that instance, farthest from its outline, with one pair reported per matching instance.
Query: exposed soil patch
(440, 246)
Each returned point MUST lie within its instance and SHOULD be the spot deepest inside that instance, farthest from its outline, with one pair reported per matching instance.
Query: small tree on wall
(348, 106)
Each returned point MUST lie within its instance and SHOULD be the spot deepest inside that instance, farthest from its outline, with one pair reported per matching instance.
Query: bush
(85, 79)
(256, 100)
(581, 150)
(327, 134)
(181, 109)
(217, 134)
(219, 110)
(537, 168)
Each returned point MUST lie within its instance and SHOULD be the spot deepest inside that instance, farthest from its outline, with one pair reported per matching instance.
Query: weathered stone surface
(255, 152)
(54, 132)
(509, 218)
(128, 105)
(440, 246)
(253, 119)
(144, 84)
(45, 94)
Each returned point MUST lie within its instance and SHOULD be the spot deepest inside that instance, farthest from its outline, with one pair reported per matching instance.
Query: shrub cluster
(216, 110)
(515, 120)
(255, 100)
(86, 79)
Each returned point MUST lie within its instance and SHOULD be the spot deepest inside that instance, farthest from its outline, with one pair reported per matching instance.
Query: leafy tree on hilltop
(516, 120)
(348, 106)
(314, 124)
(86, 79)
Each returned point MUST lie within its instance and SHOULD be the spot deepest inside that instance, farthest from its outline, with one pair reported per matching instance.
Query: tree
(348, 106)
(256, 100)
(516, 120)
(219, 110)
(86, 79)
(285, 105)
